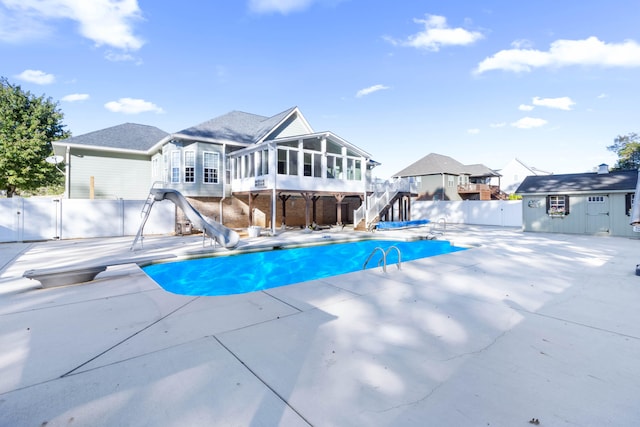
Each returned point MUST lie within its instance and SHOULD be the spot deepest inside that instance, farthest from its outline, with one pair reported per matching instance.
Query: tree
(28, 125)
(627, 147)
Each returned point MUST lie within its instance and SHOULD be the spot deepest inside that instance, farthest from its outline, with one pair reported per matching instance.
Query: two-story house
(439, 177)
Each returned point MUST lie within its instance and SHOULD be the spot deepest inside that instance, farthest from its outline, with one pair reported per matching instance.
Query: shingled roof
(436, 164)
(236, 126)
(127, 136)
(579, 183)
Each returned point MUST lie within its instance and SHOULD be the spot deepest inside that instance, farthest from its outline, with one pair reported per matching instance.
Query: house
(582, 203)
(240, 169)
(439, 177)
(512, 175)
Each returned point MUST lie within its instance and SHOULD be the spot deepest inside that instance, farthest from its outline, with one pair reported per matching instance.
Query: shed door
(598, 219)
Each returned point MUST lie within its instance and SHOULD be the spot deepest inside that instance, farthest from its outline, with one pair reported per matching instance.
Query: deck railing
(381, 195)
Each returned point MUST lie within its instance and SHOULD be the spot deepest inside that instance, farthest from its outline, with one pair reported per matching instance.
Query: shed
(581, 203)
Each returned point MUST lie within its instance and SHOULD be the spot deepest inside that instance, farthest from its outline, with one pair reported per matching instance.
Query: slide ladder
(146, 210)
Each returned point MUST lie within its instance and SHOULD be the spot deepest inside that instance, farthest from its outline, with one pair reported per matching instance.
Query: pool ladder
(383, 260)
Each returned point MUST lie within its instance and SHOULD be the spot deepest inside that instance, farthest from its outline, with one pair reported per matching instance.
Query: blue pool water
(255, 271)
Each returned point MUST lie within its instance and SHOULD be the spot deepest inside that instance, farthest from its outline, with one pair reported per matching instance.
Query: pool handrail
(383, 260)
(399, 263)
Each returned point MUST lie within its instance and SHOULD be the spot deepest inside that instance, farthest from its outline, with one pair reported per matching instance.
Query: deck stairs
(378, 203)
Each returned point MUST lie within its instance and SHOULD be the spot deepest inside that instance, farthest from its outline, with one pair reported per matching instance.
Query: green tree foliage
(627, 147)
(28, 125)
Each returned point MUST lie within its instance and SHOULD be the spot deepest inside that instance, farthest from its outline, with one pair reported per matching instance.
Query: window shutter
(548, 203)
(627, 204)
(566, 205)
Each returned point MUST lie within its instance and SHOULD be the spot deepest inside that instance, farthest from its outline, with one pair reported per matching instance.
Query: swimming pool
(255, 271)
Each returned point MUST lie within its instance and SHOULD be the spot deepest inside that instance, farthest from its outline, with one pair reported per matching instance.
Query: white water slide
(223, 235)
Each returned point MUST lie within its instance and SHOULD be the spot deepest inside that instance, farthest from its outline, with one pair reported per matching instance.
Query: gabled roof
(127, 136)
(579, 183)
(436, 164)
(236, 126)
(480, 170)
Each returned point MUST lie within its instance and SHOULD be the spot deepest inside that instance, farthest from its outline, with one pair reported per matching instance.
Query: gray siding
(198, 188)
(119, 176)
(580, 219)
(431, 185)
(294, 127)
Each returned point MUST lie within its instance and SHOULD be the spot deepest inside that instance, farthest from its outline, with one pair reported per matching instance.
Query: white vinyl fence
(503, 213)
(44, 218)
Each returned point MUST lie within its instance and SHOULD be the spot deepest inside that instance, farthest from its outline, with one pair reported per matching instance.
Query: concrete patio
(520, 327)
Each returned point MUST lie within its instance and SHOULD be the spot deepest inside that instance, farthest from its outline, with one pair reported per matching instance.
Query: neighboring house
(240, 169)
(439, 177)
(512, 175)
(583, 203)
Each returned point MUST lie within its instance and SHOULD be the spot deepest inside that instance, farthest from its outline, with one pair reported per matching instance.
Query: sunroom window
(354, 169)
(334, 167)
(287, 161)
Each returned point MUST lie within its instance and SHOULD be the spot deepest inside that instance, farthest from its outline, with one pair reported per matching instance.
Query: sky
(549, 82)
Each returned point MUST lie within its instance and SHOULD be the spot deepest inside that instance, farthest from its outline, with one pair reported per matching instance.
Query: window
(259, 163)
(334, 167)
(249, 165)
(317, 165)
(265, 162)
(189, 166)
(451, 181)
(312, 164)
(558, 205)
(595, 199)
(628, 202)
(175, 166)
(210, 167)
(287, 161)
(354, 169)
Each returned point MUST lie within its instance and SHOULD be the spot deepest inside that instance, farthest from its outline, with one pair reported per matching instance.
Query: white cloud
(37, 77)
(525, 107)
(369, 90)
(529, 123)
(75, 97)
(564, 103)
(280, 6)
(564, 53)
(132, 106)
(437, 34)
(106, 22)
(521, 44)
(602, 96)
(120, 57)
(18, 28)
(498, 125)
(473, 131)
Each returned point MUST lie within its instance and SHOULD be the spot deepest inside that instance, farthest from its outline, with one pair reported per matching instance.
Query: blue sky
(550, 82)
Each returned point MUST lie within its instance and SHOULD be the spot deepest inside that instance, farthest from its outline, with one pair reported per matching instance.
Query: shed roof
(127, 136)
(579, 182)
(436, 164)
